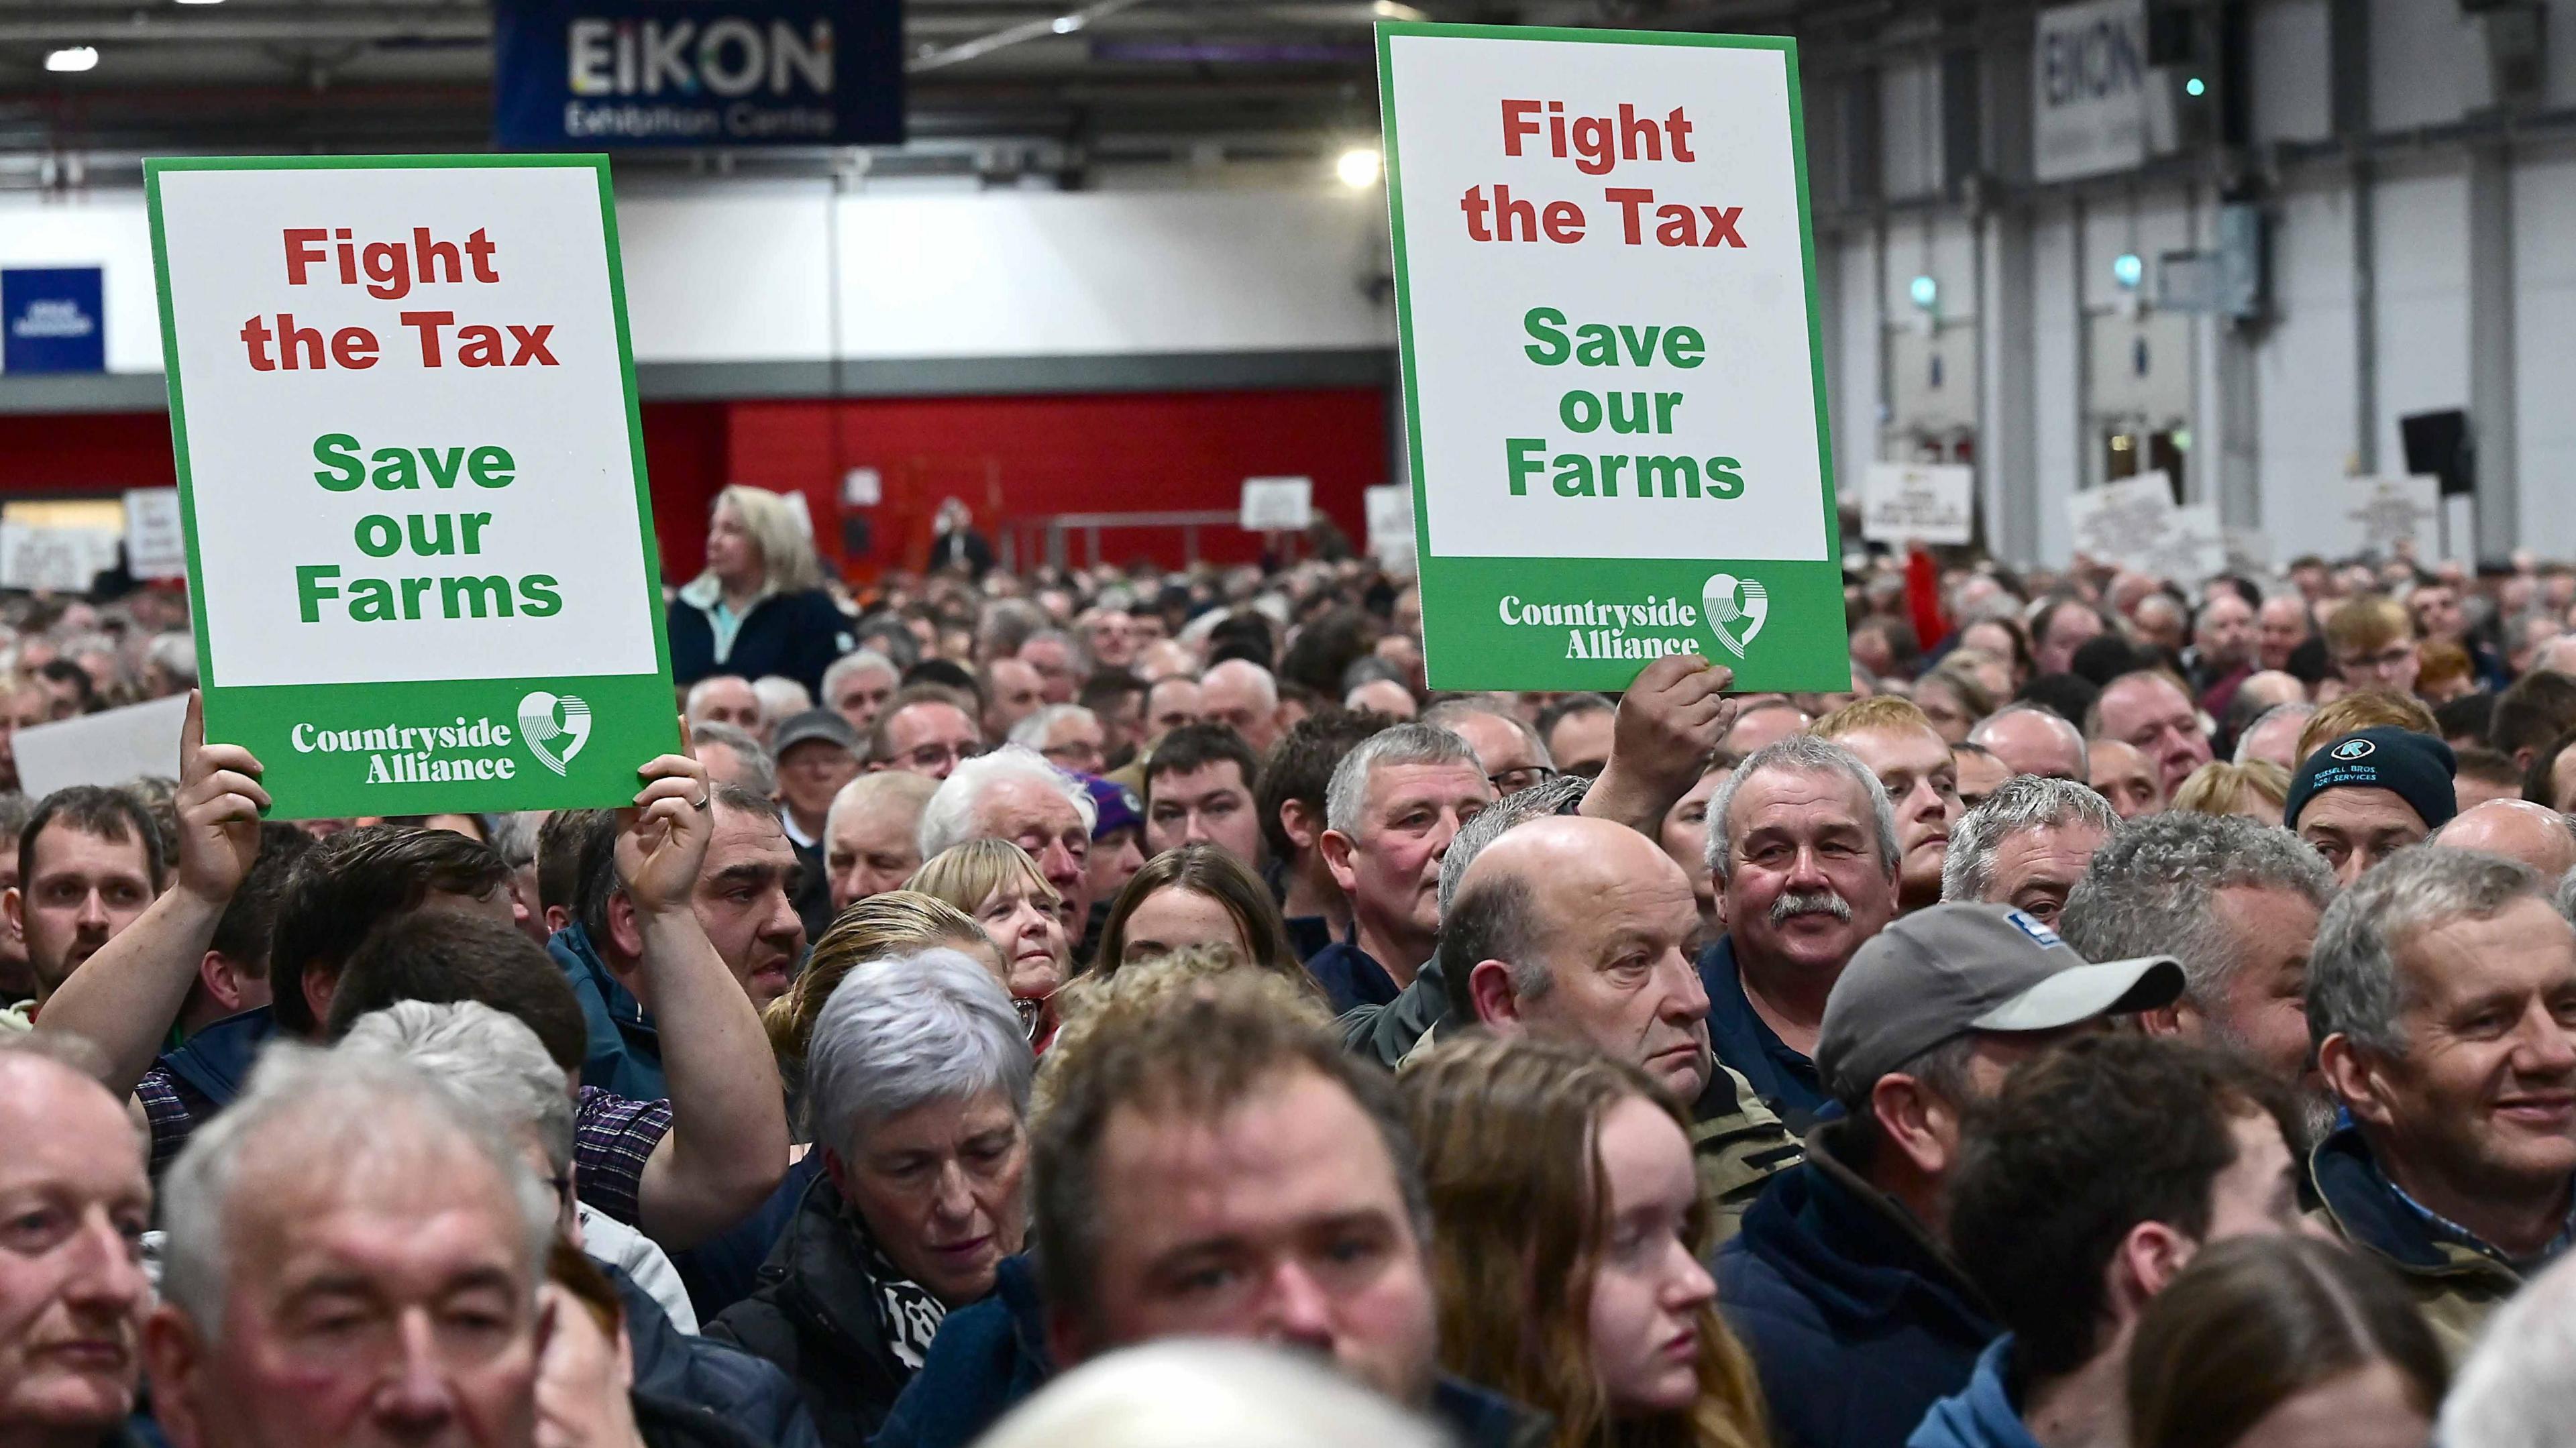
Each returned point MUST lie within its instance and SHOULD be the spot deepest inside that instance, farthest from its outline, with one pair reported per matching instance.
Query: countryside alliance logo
(1735, 609)
(545, 718)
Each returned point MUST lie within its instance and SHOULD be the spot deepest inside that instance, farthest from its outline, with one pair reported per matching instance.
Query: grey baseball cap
(1942, 972)
(814, 724)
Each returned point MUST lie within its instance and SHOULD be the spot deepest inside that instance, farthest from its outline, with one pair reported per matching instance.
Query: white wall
(738, 271)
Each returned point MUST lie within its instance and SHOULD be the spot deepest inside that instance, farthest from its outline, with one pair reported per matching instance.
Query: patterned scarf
(907, 1312)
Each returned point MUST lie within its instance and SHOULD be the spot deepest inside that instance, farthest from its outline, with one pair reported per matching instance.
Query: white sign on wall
(1278, 505)
(1918, 502)
(2088, 89)
(156, 544)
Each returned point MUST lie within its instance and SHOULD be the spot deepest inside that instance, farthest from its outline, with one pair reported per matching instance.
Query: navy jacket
(795, 635)
(625, 1051)
(1856, 1321)
(217, 1060)
(1980, 1415)
(704, 1374)
(1785, 1080)
(1350, 977)
(989, 1355)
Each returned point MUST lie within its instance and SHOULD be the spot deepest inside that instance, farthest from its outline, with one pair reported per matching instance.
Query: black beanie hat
(2417, 768)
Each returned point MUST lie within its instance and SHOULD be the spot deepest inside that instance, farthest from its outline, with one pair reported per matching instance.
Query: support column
(2493, 414)
(2007, 415)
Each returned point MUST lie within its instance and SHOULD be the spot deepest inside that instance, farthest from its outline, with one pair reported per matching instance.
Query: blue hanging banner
(51, 320)
(594, 75)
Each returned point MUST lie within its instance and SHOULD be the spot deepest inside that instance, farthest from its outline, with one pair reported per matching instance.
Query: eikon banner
(594, 74)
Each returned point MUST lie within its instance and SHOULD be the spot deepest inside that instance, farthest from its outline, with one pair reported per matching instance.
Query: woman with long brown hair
(1194, 895)
(1568, 1230)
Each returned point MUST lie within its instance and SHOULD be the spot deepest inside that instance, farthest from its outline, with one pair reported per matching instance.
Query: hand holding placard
(219, 805)
(662, 838)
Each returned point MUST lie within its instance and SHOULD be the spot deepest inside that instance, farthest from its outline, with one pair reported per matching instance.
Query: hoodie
(1982, 1414)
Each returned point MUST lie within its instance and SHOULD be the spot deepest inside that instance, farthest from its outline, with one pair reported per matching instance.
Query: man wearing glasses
(926, 731)
(2372, 643)
(1507, 748)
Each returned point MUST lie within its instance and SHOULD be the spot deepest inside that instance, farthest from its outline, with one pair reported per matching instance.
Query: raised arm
(124, 998)
(727, 1147)
(1669, 722)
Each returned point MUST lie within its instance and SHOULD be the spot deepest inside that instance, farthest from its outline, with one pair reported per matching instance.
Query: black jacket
(815, 1317)
(794, 635)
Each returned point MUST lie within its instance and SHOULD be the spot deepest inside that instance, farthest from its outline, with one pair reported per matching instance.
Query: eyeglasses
(931, 756)
(2383, 661)
(1513, 781)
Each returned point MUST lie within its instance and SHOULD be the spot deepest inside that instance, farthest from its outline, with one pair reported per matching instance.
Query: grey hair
(514, 835)
(698, 692)
(334, 1115)
(2083, 749)
(949, 818)
(1031, 732)
(2245, 741)
(1447, 711)
(1077, 657)
(175, 652)
(2023, 802)
(780, 697)
(1807, 754)
(891, 786)
(855, 663)
(906, 1029)
(481, 1056)
(2565, 896)
(1243, 1394)
(762, 769)
(2354, 989)
(2518, 1387)
(2152, 891)
(1537, 802)
(1409, 743)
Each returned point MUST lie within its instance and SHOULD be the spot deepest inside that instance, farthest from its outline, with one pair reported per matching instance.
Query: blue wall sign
(51, 320)
(608, 74)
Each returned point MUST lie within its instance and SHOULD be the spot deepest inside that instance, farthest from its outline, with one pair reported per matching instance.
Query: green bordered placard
(1614, 384)
(411, 471)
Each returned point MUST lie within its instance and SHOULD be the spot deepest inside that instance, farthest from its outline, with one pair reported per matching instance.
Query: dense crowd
(2134, 1013)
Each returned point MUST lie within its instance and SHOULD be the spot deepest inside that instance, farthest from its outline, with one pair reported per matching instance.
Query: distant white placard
(54, 560)
(106, 748)
(1278, 504)
(862, 488)
(156, 545)
(2088, 89)
(2192, 548)
(1920, 502)
(2115, 522)
(1390, 527)
(2375, 515)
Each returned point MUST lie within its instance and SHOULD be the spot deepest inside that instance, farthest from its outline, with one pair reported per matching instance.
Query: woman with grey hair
(917, 1079)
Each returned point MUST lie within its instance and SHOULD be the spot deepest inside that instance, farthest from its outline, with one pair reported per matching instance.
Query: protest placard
(156, 542)
(2121, 522)
(1390, 527)
(1614, 399)
(411, 469)
(1278, 505)
(109, 747)
(1918, 503)
(2375, 515)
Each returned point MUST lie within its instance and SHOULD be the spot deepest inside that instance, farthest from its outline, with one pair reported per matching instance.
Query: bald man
(1574, 928)
(2516, 829)
(2033, 740)
(1244, 697)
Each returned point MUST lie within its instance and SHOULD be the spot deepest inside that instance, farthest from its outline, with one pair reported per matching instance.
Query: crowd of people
(1114, 1006)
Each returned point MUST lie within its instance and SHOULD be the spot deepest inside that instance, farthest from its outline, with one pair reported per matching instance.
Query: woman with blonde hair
(759, 608)
(2258, 789)
(998, 886)
(1568, 1231)
(894, 923)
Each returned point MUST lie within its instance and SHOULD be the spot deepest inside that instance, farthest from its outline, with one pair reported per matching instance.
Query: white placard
(54, 560)
(1918, 502)
(1278, 505)
(105, 748)
(2375, 515)
(2114, 523)
(2192, 548)
(2088, 89)
(1390, 527)
(156, 545)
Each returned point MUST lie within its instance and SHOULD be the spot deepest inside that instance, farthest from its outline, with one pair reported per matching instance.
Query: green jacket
(2455, 1284)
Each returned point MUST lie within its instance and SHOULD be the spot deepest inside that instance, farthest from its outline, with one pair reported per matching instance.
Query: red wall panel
(1009, 457)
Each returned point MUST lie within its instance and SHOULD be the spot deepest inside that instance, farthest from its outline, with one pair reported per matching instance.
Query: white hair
(1807, 753)
(1183, 1393)
(890, 786)
(932, 1025)
(780, 697)
(2518, 1388)
(849, 666)
(328, 1116)
(698, 691)
(176, 654)
(477, 1054)
(949, 819)
(2023, 802)
(1410, 743)
(1031, 732)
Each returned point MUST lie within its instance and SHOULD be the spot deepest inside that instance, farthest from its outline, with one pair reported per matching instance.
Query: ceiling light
(1357, 167)
(1066, 24)
(72, 58)
(201, 2)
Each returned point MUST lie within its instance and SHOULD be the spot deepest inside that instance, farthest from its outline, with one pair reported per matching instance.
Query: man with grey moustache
(1802, 847)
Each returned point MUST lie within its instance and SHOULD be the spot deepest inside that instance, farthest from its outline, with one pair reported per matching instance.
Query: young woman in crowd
(1567, 1234)
(2278, 1340)
(998, 885)
(1195, 895)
